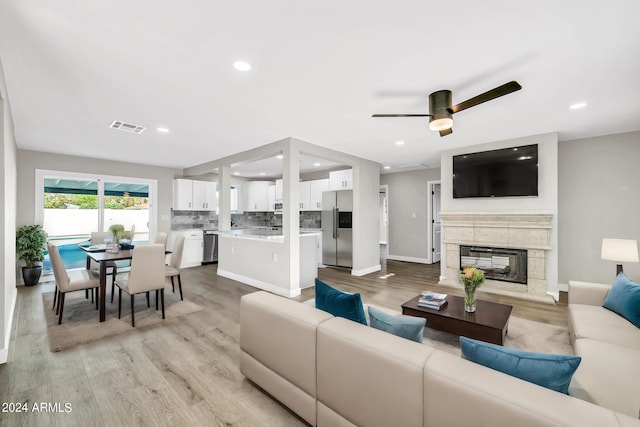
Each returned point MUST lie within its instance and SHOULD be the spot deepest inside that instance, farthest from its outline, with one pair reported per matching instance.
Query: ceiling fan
(441, 110)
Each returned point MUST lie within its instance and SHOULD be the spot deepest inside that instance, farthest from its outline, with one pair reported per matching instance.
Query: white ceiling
(319, 70)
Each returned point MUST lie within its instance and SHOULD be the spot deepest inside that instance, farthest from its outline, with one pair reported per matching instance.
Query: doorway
(384, 223)
(435, 225)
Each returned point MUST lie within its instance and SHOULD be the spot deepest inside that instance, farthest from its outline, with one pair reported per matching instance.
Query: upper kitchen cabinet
(316, 188)
(311, 194)
(341, 180)
(204, 196)
(271, 197)
(182, 195)
(189, 195)
(255, 196)
(278, 189)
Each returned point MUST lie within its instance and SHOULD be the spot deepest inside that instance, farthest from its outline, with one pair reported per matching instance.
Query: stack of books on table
(432, 300)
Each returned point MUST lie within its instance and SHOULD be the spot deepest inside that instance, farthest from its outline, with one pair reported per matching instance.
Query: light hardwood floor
(184, 371)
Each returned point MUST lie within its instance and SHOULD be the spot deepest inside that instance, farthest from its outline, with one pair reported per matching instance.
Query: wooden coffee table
(488, 323)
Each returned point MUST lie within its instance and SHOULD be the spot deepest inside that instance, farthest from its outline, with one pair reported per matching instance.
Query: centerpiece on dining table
(117, 230)
(472, 278)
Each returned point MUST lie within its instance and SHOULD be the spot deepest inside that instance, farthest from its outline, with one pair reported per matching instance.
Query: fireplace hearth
(505, 264)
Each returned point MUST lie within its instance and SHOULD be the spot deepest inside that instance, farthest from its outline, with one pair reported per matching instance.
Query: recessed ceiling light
(387, 167)
(163, 130)
(236, 173)
(279, 156)
(399, 142)
(242, 66)
(578, 105)
(316, 164)
(262, 174)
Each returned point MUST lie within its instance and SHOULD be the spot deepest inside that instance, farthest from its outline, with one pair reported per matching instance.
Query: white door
(435, 223)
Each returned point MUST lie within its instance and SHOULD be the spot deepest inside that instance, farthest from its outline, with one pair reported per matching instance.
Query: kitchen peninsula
(257, 256)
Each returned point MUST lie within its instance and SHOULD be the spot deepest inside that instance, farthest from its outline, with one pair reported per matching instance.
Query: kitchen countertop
(265, 233)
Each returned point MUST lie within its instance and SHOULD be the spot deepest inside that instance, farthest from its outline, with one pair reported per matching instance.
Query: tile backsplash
(182, 220)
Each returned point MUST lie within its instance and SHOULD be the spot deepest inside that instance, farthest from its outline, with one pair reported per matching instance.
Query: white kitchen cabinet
(255, 196)
(190, 195)
(271, 196)
(182, 195)
(204, 196)
(341, 180)
(305, 195)
(311, 194)
(235, 200)
(278, 189)
(316, 189)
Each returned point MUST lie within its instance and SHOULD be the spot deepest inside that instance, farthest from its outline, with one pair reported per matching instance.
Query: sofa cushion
(598, 323)
(553, 371)
(624, 299)
(608, 376)
(411, 328)
(338, 303)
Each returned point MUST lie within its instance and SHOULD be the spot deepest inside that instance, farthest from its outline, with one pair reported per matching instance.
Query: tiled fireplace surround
(517, 230)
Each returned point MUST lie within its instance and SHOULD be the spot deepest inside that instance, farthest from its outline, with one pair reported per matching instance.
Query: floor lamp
(619, 250)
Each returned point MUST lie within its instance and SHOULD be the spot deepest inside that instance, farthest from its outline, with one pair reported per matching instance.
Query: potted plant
(30, 248)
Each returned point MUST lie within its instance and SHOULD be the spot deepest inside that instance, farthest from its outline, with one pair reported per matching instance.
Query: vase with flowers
(472, 278)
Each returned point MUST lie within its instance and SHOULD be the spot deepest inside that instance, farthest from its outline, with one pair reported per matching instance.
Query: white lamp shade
(619, 250)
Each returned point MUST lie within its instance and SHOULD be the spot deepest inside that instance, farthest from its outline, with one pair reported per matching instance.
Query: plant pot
(31, 275)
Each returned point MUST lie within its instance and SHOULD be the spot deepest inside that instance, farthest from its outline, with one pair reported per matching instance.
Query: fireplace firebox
(506, 264)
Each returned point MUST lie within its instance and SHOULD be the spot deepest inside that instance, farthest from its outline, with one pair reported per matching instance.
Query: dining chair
(69, 281)
(161, 237)
(146, 274)
(97, 238)
(173, 269)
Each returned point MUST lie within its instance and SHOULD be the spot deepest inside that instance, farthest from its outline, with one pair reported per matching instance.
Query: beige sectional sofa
(335, 372)
(609, 374)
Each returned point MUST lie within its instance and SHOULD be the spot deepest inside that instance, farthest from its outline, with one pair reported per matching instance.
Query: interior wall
(29, 161)
(8, 191)
(599, 190)
(408, 199)
(547, 199)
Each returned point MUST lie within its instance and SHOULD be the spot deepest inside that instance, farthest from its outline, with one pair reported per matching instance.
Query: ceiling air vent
(127, 127)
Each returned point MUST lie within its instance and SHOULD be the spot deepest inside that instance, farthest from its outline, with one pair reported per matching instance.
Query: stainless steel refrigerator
(337, 236)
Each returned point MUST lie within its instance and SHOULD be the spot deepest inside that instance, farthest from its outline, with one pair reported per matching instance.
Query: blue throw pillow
(411, 328)
(553, 371)
(338, 303)
(624, 298)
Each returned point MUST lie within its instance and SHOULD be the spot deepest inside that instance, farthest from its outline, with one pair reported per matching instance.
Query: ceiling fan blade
(505, 89)
(446, 132)
(401, 115)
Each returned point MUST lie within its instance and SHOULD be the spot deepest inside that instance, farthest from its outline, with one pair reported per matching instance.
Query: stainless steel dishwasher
(210, 253)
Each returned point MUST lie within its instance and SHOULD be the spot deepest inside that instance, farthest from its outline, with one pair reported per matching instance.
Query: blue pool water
(72, 257)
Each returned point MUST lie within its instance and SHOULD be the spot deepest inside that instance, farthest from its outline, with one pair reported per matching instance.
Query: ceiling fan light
(442, 123)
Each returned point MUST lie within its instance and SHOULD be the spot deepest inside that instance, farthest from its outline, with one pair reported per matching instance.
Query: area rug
(81, 325)
(522, 334)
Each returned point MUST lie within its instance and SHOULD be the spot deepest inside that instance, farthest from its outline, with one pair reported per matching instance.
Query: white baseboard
(365, 271)
(408, 259)
(4, 351)
(563, 287)
(289, 293)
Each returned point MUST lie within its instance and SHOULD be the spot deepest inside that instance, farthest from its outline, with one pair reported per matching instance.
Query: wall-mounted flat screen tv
(506, 172)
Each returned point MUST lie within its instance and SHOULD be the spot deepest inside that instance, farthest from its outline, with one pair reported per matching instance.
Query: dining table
(102, 256)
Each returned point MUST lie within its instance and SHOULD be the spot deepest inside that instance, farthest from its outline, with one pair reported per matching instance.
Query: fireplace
(506, 264)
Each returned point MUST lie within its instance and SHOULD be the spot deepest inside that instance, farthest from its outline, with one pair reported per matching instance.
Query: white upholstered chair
(97, 238)
(146, 274)
(161, 237)
(69, 281)
(173, 269)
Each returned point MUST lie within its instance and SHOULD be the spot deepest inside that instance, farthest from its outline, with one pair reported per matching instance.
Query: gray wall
(599, 187)
(409, 194)
(29, 161)
(8, 191)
